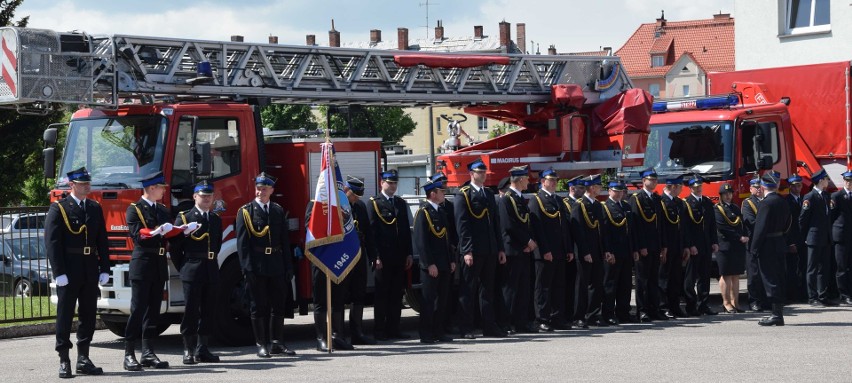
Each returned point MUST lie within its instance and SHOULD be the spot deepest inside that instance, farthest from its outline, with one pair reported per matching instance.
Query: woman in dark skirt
(732, 248)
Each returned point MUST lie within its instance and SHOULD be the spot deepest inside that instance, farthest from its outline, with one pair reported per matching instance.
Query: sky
(570, 25)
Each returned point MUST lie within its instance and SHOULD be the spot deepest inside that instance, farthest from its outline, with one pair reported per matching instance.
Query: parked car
(24, 268)
(27, 223)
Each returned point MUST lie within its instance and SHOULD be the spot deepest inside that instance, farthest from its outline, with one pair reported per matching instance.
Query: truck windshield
(702, 147)
(117, 151)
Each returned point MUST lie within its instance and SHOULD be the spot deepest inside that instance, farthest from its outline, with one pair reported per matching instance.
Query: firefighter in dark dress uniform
(797, 256)
(448, 209)
(195, 255)
(671, 272)
(731, 257)
(576, 189)
(263, 246)
(519, 241)
(148, 224)
(773, 219)
(700, 224)
(392, 234)
(437, 265)
(76, 243)
(586, 217)
(358, 276)
(619, 255)
(550, 221)
(647, 208)
(756, 292)
(841, 234)
(481, 247)
(815, 220)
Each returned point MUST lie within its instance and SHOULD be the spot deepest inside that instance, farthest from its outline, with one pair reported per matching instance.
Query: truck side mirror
(49, 162)
(765, 162)
(49, 137)
(5, 259)
(203, 158)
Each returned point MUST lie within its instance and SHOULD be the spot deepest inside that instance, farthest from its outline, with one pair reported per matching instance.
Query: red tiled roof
(710, 41)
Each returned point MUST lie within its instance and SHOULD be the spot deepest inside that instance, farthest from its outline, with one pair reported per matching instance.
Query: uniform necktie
(205, 216)
(266, 208)
(83, 207)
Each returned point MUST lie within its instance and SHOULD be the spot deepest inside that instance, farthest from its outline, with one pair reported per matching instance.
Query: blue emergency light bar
(696, 103)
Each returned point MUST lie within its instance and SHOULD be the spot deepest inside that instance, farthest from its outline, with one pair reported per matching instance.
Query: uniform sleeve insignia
(806, 204)
(831, 204)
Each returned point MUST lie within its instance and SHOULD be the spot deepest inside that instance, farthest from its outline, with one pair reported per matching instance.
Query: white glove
(191, 227)
(157, 231)
(166, 227)
(103, 278)
(62, 280)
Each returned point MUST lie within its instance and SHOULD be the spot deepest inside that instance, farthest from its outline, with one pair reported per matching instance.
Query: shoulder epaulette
(373, 198)
(464, 188)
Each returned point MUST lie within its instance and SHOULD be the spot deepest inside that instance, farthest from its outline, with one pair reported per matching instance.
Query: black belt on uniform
(200, 254)
(157, 251)
(775, 234)
(79, 250)
(265, 250)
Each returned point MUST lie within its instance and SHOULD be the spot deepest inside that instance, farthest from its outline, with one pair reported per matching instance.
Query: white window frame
(651, 90)
(482, 124)
(788, 15)
(685, 91)
(657, 61)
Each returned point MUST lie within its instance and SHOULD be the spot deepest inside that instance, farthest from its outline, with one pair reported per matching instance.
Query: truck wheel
(231, 316)
(116, 328)
(23, 288)
(412, 299)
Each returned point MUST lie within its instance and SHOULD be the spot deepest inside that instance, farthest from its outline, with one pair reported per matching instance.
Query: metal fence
(24, 270)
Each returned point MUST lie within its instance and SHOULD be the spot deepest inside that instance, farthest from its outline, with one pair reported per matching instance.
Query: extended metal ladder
(41, 67)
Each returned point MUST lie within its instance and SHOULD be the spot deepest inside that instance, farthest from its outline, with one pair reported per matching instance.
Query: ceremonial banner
(332, 243)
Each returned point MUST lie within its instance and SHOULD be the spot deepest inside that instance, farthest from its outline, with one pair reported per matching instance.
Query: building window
(804, 16)
(657, 60)
(654, 90)
(686, 91)
(482, 124)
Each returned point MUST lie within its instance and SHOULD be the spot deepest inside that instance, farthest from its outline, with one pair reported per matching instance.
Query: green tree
(285, 116)
(501, 129)
(20, 141)
(390, 123)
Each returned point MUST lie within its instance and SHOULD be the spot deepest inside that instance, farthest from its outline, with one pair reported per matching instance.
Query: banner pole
(328, 312)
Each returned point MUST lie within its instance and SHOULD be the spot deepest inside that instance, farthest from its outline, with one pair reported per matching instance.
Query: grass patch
(14, 310)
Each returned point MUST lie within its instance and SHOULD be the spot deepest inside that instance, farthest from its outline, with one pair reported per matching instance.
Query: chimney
(273, 39)
(236, 38)
(402, 39)
(661, 22)
(505, 34)
(311, 40)
(477, 32)
(608, 51)
(722, 16)
(333, 36)
(375, 36)
(439, 31)
(522, 37)
(551, 50)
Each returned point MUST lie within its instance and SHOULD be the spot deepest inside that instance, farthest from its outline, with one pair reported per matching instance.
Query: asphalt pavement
(815, 345)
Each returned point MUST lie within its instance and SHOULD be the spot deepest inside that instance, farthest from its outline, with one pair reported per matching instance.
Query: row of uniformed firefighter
(528, 265)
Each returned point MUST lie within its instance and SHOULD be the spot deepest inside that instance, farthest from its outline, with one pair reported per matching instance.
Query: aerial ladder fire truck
(190, 109)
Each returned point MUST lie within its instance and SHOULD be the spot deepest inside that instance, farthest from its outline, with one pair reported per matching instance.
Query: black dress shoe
(65, 369)
(755, 307)
(495, 333)
(613, 322)
(544, 327)
(693, 312)
(816, 303)
(830, 302)
(281, 348)
(706, 310)
(725, 310)
(581, 324)
(738, 310)
(656, 315)
(468, 335)
(846, 301)
(670, 315)
(444, 339)
(561, 326)
(645, 318)
(86, 367)
(678, 312)
(131, 364)
(428, 340)
(262, 352)
(772, 320)
(628, 319)
(150, 359)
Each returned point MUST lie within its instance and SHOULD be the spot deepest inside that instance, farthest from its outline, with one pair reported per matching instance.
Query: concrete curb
(28, 330)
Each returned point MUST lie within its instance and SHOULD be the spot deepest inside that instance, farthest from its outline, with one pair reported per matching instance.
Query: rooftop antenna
(426, 27)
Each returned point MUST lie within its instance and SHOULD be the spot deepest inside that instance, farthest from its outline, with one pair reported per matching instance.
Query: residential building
(671, 59)
(792, 32)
